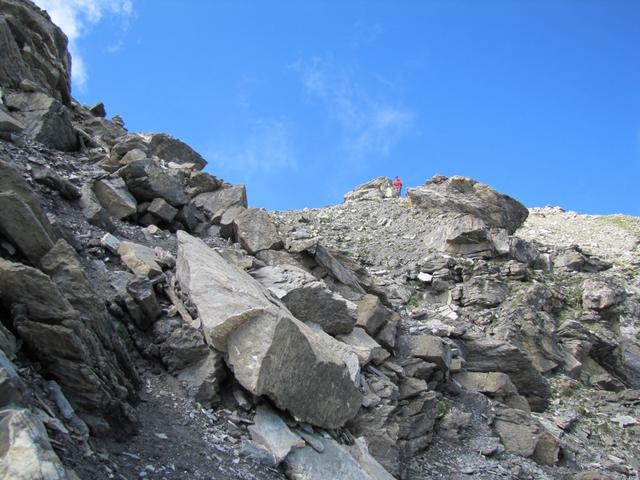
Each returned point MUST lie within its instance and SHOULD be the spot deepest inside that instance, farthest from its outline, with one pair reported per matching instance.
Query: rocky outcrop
(255, 230)
(34, 51)
(465, 195)
(376, 189)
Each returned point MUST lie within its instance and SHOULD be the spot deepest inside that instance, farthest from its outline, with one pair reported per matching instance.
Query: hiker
(397, 184)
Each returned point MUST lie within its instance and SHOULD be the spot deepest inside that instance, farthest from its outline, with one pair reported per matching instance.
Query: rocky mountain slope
(152, 325)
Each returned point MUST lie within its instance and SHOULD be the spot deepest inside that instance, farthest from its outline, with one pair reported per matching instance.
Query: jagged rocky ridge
(154, 326)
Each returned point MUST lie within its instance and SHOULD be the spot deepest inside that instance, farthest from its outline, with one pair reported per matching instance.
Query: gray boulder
(12, 387)
(426, 347)
(113, 195)
(271, 433)
(270, 352)
(8, 123)
(308, 298)
(467, 235)
(601, 295)
(161, 209)
(217, 202)
(140, 259)
(93, 211)
(486, 292)
(33, 49)
(255, 230)
(46, 176)
(146, 180)
(465, 195)
(45, 119)
(22, 220)
(173, 150)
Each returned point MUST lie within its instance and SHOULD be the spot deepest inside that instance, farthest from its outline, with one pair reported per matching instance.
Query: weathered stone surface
(45, 119)
(200, 182)
(376, 189)
(427, 347)
(211, 203)
(269, 351)
(496, 385)
(93, 211)
(46, 176)
(522, 435)
(469, 236)
(22, 220)
(142, 292)
(308, 298)
(372, 314)
(171, 149)
(32, 288)
(7, 342)
(26, 453)
(162, 210)
(146, 180)
(334, 462)
(365, 347)
(600, 295)
(484, 292)
(465, 195)
(182, 347)
(33, 49)
(139, 259)
(9, 124)
(203, 378)
(488, 355)
(255, 230)
(335, 268)
(11, 385)
(270, 432)
(113, 195)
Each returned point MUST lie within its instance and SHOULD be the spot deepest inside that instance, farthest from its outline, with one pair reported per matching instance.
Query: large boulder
(33, 50)
(308, 298)
(255, 230)
(173, 150)
(113, 195)
(465, 195)
(147, 180)
(216, 203)
(270, 352)
(45, 119)
(375, 189)
(22, 220)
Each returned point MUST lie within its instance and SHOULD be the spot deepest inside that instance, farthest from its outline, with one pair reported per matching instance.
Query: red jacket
(397, 183)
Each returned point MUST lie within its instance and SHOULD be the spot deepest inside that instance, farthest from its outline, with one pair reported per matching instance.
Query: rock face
(465, 195)
(173, 150)
(45, 119)
(376, 189)
(115, 198)
(216, 203)
(255, 231)
(146, 180)
(33, 49)
(270, 352)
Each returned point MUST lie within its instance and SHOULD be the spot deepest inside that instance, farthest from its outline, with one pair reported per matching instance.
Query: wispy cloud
(267, 148)
(76, 17)
(371, 122)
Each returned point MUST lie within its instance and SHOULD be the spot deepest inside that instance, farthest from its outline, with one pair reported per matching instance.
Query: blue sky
(302, 100)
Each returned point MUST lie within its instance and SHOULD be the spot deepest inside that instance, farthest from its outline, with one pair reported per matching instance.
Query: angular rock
(183, 347)
(203, 378)
(334, 462)
(45, 119)
(9, 124)
(146, 180)
(200, 182)
(139, 259)
(271, 433)
(190, 217)
(488, 355)
(335, 268)
(171, 149)
(98, 110)
(110, 242)
(308, 298)
(496, 385)
(268, 350)
(365, 347)
(427, 347)
(469, 236)
(22, 220)
(600, 295)
(160, 208)
(255, 230)
(113, 195)
(142, 292)
(11, 385)
(214, 202)
(7, 342)
(486, 292)
(93, 211)
(465, 195)
(51, 179)
(372, 314)
(26, 453)
(376, 189)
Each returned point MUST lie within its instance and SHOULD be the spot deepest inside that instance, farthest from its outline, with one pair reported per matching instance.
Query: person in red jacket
(397, 184)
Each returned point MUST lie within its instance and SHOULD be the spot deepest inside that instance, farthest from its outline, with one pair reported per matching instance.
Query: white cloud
(76, 17)
(267, 148)
(370, 124)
